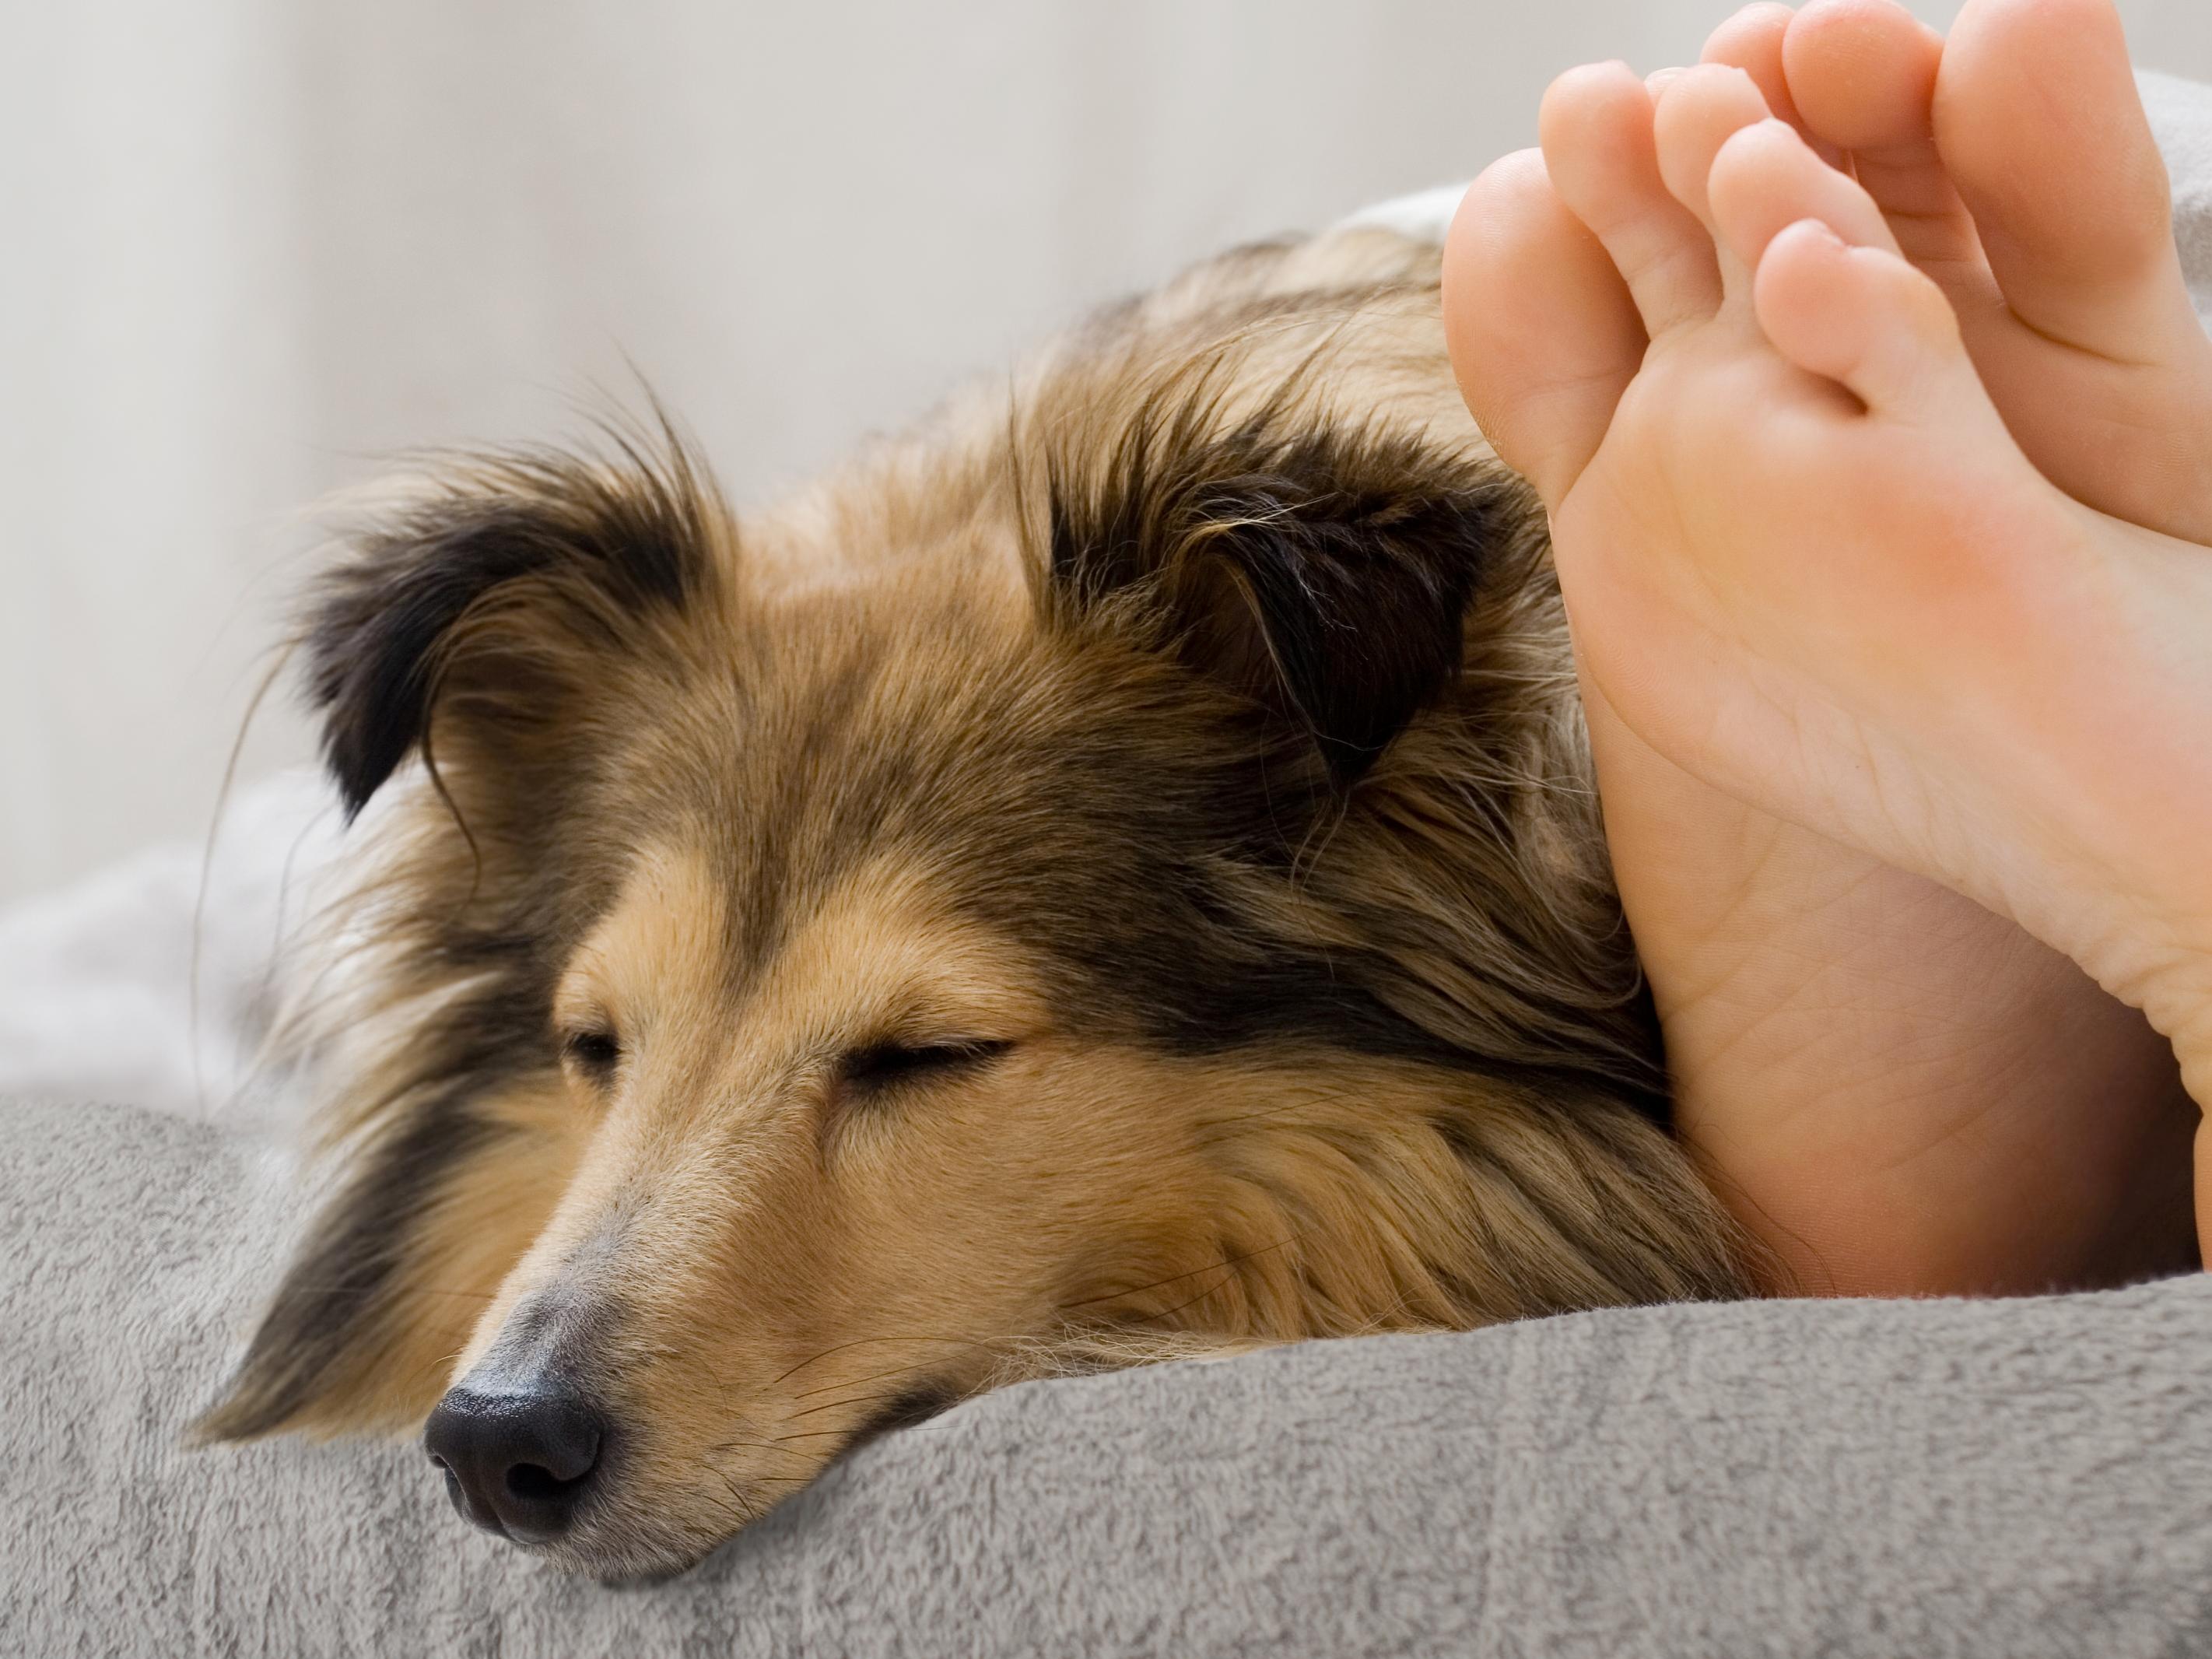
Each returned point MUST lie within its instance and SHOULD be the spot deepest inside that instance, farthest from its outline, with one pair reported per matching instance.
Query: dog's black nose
(517, 1463)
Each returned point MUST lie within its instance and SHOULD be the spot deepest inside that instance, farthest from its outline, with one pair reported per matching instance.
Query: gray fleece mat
(1929, 1478)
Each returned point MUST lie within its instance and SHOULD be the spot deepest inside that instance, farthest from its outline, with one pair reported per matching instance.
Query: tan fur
(913, 761)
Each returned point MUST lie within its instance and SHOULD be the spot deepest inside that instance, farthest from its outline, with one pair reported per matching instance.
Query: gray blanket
(1929, 1478)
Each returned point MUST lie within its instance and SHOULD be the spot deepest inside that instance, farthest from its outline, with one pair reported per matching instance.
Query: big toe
(1543, 334)
(2037, 117)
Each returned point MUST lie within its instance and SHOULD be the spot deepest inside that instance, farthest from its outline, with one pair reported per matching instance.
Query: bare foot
(1808, 561)
(1898, 1091)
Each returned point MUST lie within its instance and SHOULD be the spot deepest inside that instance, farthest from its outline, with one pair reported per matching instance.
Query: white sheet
(97, 982)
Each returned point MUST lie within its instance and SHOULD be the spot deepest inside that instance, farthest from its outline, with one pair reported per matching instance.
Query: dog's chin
(628, 1538)
(625, 1558)
(628, 1544)
(641, 1580)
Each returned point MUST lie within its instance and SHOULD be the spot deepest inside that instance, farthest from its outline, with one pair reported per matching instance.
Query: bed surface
(1945, 1478)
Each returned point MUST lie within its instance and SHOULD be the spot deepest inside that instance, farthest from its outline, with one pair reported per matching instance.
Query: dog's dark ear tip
(587, 545)
(357, 785)
(1324, 572)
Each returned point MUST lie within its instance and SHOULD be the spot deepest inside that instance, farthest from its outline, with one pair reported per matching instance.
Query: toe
(1698, 113)
(1864, 319)
(1862, 74)
(1830, 288)
(1765, 178)
(1602, 156)
(1832, 291)
(2035, 113)
(1751, 41)
(1543, 334)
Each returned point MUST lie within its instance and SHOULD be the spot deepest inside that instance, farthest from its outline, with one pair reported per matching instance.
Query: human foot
(1959, 668)
(2015, 167)
(1897, 1090)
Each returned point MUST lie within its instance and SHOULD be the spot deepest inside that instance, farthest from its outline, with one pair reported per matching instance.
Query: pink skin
(1898, 1091)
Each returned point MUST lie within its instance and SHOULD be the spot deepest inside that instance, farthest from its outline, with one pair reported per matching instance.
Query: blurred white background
(252, 245)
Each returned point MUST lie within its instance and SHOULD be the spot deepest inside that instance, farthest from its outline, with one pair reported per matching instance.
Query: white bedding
(97, 981)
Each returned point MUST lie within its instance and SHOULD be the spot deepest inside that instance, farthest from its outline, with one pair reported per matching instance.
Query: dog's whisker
(750, 1445)
(862, 1400)
(818, 1434)
(895, 1371)
(863, 1341)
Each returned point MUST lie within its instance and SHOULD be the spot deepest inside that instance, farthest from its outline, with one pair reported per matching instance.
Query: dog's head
(787, 1007)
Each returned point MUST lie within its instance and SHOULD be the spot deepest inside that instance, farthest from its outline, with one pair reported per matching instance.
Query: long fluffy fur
(1201, 699)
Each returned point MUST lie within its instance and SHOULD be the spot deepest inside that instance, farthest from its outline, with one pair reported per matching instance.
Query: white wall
(246, 246)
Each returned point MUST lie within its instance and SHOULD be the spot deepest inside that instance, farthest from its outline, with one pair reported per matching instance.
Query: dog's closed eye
(883, 1065)
(596, 1053)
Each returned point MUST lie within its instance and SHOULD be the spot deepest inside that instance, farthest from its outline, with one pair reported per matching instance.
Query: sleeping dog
(1112, 875)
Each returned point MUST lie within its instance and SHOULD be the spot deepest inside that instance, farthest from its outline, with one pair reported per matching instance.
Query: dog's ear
(501, 621)
(483, 598)
(1324, 572)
